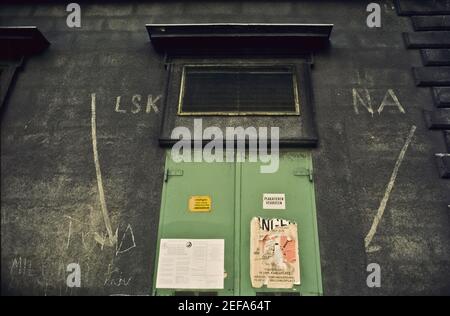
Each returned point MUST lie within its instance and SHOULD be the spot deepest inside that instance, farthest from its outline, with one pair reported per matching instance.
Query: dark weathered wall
(50, 203)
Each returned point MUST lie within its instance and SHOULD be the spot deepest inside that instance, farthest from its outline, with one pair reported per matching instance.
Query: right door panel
(294, 179)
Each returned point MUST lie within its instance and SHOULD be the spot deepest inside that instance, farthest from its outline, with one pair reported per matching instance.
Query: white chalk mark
(366, 103)
(386, 102)
(112, 238)
(72, 218)
(151, 104)
(69, 234)
(119, 248)
(389, 188)
(83, 241)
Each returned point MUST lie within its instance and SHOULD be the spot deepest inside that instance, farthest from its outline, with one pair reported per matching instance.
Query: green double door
(236, 193)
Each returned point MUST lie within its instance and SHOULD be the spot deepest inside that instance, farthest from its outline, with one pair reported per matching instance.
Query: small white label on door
(274, 201)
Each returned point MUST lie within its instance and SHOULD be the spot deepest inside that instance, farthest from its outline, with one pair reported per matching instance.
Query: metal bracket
(174, 172)
(304, 172)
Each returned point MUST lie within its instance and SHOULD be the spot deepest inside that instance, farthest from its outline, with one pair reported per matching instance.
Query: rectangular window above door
(210, 89)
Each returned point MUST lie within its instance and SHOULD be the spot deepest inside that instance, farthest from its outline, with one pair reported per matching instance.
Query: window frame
(295, 87)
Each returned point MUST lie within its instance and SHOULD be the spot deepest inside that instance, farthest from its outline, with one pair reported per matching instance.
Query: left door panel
(184, 180)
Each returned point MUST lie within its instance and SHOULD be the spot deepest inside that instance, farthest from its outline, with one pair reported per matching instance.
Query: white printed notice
(274, 201)
(191, 264)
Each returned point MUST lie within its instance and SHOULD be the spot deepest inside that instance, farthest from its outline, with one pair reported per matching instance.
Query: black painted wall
(50, 207)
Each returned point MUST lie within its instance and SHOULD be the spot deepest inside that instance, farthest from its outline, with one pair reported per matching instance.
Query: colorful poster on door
(274, 255)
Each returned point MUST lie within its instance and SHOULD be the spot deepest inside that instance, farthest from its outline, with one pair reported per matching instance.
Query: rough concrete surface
(50, 207)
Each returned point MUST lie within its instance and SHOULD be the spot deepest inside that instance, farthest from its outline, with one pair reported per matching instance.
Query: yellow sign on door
(200, 203)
